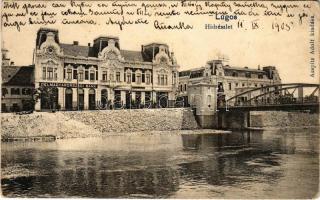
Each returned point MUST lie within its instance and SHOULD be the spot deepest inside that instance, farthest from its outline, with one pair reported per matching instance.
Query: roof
(77, 50)
(17, 75)
(242, 69)
(132, 55)
(86, 51)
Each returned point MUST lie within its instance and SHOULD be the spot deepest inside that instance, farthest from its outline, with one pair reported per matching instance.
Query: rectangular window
(234, 74)
(148, 79)
(44, 72)
(230, 86)
(26, 91)
(260, 76)
(118, 76)
(96, 75)
(248, 74)
(50, 73)
(104, 75)
(75, 74)
(92, 75)
(166, 79)
(55, 74)
(15, 91)
(139, 78)
(69, 74)
(143, 78)
(111, 76)
(86, 75)
(80, 74)
(133, 77)
(128, 78)
(4, 92)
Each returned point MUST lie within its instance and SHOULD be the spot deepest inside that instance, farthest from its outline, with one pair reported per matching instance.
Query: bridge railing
(271, 101)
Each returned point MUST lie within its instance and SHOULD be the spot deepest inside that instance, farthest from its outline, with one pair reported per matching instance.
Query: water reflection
(256, 164)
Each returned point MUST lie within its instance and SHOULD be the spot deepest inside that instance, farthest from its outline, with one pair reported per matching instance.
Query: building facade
(103, 75)
(17, 85)
(229, 81)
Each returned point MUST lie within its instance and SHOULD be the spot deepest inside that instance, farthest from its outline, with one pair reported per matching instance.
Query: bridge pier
(203, 99)
(233, 120)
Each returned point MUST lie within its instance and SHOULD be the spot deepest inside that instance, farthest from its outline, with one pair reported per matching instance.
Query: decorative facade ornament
(111, 52)
(50, 48)
(162, 57)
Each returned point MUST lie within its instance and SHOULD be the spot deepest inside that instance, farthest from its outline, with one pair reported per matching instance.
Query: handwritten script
(170, 15)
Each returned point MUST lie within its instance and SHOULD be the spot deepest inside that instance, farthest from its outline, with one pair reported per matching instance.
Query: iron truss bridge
(289, 96)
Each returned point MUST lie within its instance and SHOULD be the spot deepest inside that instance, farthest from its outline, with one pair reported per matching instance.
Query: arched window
(49, 71)
(92, 73)
(148, 77)
(68, 99)
(69, 72)
(128, 76)
(104, 97)
(81, 73)
(92, 99)
(138, 77)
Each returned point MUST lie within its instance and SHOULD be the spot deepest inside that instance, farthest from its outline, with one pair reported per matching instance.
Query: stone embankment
(283, 119)
(95, 123)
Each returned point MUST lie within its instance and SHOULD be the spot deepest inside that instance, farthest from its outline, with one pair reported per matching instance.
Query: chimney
(89, 44)
(142, 48)
(75, 43)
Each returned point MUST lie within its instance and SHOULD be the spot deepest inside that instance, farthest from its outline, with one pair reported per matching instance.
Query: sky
(287, 50)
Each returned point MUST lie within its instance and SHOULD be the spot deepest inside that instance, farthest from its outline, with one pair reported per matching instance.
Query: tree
(48, 95)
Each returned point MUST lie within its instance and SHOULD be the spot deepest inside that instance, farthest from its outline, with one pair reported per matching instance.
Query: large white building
(103, 74)
(229, 80)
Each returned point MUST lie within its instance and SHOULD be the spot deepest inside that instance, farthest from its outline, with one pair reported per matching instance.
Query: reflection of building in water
(105, 176)
(17, 85)
(229, 80)
(98, 177)
(103, 73)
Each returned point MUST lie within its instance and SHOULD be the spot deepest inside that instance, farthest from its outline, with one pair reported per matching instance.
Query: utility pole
(78, 105)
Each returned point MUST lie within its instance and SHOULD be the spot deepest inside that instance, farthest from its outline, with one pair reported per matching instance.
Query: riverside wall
(95, 123)
(283, 119)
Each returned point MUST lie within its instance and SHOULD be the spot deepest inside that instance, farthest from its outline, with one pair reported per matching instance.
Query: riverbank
(95, 123)
(283, 119)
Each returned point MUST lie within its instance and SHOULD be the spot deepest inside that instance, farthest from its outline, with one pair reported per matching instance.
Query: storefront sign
(71, 85)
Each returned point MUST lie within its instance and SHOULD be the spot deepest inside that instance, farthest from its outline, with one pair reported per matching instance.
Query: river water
(248, 164)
